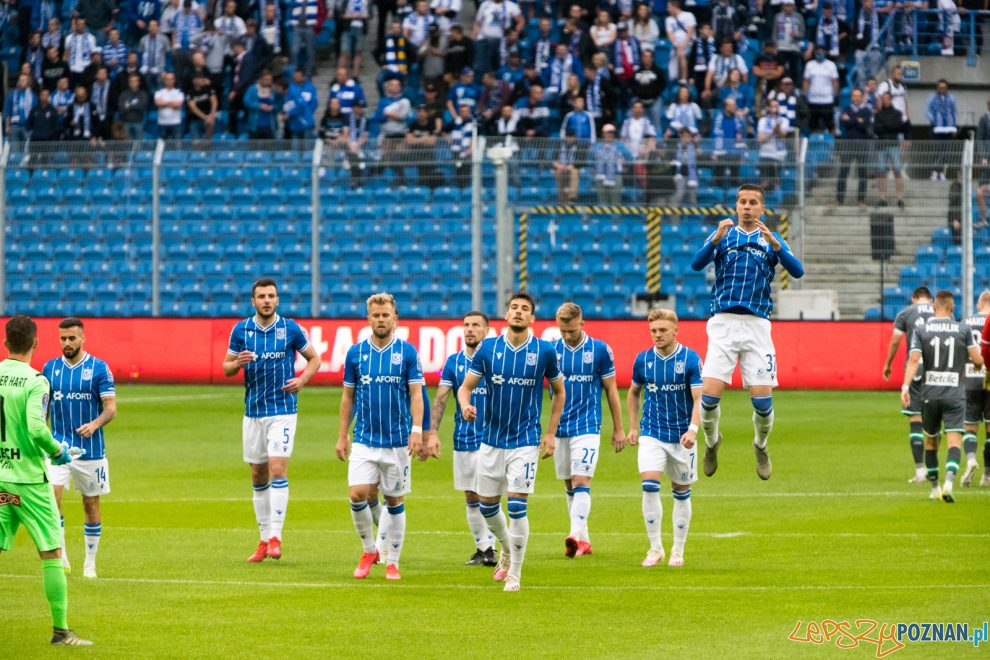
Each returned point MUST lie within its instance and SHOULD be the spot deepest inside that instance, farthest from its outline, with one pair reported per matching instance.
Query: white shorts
(672, 458)
(386, 466)
(465, 470)
(576, 457)
(91, 478)
(266, 437)
(744, 339)
(503, 471)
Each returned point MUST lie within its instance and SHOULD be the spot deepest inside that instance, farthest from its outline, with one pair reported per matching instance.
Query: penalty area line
(478, 587)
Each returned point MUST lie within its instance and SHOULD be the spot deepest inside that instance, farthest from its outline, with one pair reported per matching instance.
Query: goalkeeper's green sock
(56, 590)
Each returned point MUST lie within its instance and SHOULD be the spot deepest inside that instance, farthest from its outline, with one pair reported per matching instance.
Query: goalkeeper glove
(67, 454)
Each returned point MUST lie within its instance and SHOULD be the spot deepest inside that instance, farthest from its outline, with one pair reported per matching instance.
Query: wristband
(905, 388)
(417, 429)
(693, 428)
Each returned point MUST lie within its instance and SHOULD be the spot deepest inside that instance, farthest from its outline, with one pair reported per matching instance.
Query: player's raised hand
(768, 235)
(618, 441)
(689, 439)
(293, 385)
(548, 444)
(415, 443)
(343, 447)
(245, 357)
(722, 230)
(632, 438)
(469, 413)
(87, 430)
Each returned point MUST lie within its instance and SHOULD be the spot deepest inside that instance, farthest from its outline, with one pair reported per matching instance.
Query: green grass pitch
(837, 533)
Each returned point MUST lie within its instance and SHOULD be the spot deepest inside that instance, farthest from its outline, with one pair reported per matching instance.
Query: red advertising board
(810, 354)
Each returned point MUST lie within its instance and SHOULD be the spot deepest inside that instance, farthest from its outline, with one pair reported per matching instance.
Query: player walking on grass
(265, 347)
(83, 401)
(670, 373)
(906, 322)
(25, 496)
(943, 345)
(512, 367)
(588, 368)
(467, 435)
(383, 394)
(977, 401)
(746, 258)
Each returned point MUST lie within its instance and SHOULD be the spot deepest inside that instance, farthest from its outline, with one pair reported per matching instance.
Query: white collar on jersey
(584, 340)
(73, 366)
(263, 328)
(514, 349)
(387, 346)
(677, 349)
(748, 233)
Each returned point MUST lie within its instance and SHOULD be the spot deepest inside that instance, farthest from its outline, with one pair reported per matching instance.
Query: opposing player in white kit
(383, 395)
(83, 401)
(746, 258)
(265, 347)
(467, 435)
(588, 368)
(513, 367)
(670, 373)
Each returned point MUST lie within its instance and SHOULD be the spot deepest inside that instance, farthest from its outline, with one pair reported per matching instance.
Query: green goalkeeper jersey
(25, 439)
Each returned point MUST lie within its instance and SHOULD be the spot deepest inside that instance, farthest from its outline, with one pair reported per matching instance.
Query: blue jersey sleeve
(694, 370)
(639, 374)
(481, 364)
(552, 371)
(103, 381)
(426, 409)
(350, 367)
(787, 258)
(606, 361)
(414, 373)
(236, 343)
(448, 376)
(298, 340)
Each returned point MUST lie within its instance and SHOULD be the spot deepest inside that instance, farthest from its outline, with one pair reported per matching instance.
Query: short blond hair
(381, 299)
(662, 314)
(984, 300)
(568, 312)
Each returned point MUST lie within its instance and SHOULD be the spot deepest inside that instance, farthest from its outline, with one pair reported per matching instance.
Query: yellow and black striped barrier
(523, 251)
(653, 252)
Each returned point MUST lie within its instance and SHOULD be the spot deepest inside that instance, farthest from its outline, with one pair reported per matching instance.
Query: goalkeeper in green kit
(26, 497)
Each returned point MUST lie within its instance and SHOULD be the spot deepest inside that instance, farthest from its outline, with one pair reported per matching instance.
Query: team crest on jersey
(44, 403)
(530, 359)
(678, 367)
(589, 358)
(762, 242)
(279, 333)
(396, 358)
(87, 374)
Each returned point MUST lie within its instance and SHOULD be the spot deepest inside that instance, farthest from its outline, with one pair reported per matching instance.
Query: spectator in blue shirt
(728, 144)
(299, 109)
(262, 106)
(942, 115)
(463, 92)
(578, 122)
(347, 90)
(609, 157)
(139, 14)
(17, 109)
(512, 72)
(533, 114)
(114, 53)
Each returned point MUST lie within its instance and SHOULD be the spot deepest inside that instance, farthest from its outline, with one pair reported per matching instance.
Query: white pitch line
(714, 535)
(169, 397)
(489, 587)
(631, 495)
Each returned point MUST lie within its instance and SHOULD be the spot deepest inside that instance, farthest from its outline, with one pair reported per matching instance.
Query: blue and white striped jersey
(667, 383)
(381, 378)
(276, 347)
(745, 265)
(584, 368)
(467, 435)
(513, 379)
(77, 394)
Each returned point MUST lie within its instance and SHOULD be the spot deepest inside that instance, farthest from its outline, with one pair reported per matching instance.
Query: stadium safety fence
(182, 228)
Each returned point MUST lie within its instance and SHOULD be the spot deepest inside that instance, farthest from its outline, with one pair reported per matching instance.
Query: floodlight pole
(503, 225)
(4, 157)
(314, 238)
(477, 156)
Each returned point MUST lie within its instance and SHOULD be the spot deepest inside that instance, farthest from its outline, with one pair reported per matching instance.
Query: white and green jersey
(974, 376)
(25, 439)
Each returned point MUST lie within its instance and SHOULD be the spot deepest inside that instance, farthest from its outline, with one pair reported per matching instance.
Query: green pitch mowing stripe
(837, 533)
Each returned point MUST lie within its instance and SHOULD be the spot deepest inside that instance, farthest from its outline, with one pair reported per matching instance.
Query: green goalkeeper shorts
(31, 505)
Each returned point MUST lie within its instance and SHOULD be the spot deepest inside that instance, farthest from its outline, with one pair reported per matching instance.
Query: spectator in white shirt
(638, 132)
(681, 27)
(492, 24)
(644, 28)
(821, 88)
(169, 101)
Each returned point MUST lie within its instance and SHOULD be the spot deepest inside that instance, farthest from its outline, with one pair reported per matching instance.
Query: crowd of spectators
(618, 82)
